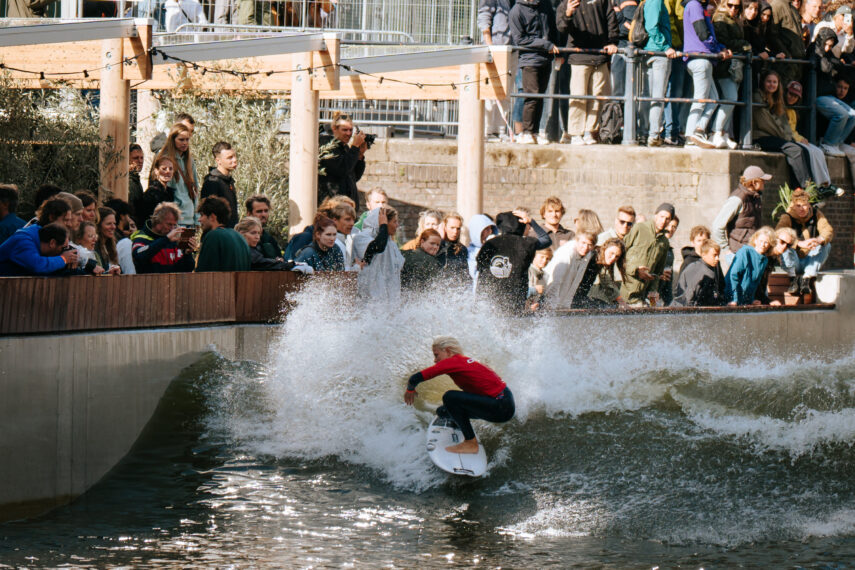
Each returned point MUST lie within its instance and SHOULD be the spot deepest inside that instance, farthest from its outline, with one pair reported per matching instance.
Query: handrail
(189, 28)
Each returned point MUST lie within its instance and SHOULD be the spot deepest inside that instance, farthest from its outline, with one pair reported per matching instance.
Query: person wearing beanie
(502, 262)
(646, 249)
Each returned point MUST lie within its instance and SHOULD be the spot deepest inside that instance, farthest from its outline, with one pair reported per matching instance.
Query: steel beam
(69, 32)
(234, 49)
(418, 60)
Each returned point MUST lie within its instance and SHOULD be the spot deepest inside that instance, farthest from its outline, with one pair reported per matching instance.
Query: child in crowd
(746, 272)
(536, 281)
(701, 283)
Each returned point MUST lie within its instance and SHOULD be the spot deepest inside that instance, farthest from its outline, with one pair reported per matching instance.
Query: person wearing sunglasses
(623, 223)
(803, 261)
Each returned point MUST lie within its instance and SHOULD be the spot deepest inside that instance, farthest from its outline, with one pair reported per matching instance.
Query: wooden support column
(114, 123)
(470, 144)
(147, 108)
(303, 168)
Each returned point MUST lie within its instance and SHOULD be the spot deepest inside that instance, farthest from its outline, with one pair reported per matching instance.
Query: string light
(244, 75)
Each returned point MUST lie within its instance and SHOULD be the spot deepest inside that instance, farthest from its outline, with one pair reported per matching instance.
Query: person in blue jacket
(37, 250)
(9, 221)
(657, 22)
(746, 271)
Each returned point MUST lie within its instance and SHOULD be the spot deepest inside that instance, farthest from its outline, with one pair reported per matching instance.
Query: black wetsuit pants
(463, 406)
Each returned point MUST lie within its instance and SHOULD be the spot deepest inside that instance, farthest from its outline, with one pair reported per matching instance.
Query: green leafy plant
(47, 136)
(785, 195)
(251, 126)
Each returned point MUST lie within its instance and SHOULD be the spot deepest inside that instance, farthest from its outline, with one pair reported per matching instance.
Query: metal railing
(631, 97)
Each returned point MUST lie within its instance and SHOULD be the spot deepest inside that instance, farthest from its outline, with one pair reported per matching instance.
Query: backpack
(611, 122)
(638, 35)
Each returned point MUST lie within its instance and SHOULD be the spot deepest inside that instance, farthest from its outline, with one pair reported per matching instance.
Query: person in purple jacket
(699, 38)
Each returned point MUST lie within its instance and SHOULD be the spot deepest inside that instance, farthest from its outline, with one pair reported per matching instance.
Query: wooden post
(114, 124)
(470, 144)
(303, 168)
(147, 107)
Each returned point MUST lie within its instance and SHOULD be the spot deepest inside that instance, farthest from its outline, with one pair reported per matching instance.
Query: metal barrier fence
(632, 98)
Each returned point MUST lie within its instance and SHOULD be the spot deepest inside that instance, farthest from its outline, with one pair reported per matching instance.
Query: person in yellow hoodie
(814, 232)
(674, 119)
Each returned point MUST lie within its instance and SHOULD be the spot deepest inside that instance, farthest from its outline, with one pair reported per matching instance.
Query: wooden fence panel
(259, 295)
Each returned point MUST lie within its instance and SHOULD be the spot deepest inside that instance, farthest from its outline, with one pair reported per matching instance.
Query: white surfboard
(443, 432)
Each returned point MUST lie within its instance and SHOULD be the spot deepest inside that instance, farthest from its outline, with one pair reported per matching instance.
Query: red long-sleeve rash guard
(469, 375)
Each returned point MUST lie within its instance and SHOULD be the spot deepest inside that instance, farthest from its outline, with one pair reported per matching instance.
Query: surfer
(484, 395)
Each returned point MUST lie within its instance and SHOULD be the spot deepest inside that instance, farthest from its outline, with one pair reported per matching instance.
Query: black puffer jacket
(592, 26)
(532, 24)
(826, 64)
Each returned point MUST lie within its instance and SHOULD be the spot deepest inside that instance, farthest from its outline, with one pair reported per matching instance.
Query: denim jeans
(676, 88)
(655, 84)
(808, 265)
(518, 101)
(618, 72)
(841, 119)
(729, 92)
(701, 72)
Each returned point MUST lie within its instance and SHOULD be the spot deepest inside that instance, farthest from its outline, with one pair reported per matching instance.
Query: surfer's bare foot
(468, 446)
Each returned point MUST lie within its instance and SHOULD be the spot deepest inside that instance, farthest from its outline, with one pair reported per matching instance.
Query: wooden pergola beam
(71, 32)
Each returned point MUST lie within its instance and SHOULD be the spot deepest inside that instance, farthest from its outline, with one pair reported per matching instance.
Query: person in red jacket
(482, 395)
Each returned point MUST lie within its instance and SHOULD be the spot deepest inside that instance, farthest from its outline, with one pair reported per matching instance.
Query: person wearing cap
(740, 215)
(841, 23)
(646, 248)
(818, 164)
(803, 262)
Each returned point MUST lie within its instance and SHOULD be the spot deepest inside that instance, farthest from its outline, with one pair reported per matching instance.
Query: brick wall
(422, 174)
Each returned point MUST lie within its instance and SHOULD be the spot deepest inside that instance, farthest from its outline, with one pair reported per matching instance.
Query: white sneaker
(589, 139)
(542, 139)
(831, 150)
(566, 138)
(700, 139)
(577, 140)
(526, 138)
(731, 144)
(718, 141)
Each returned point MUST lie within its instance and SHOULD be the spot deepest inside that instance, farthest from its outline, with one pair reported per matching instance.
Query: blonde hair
(448, 343)
(768, 231)
(247, 223)
(169, 151)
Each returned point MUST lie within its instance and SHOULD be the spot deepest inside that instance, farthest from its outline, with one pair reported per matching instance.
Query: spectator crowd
(179, 224)
(687, 49)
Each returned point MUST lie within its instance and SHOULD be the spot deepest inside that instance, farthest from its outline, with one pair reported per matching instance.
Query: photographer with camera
(342, 159)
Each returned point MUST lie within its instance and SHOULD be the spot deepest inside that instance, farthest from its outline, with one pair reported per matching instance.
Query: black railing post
(812, 98)
(629, 95)
(748, 99)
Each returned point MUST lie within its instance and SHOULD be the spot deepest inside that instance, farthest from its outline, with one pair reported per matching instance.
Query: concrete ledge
(71, 406)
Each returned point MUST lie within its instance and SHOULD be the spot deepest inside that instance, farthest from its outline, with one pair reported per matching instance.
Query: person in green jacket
(420, 264)
(646, 248)
(223, 249)
(657, 22)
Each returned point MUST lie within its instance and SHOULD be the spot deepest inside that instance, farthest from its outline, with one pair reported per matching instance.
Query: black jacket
(259, 262)
(268, 245)
(503, 263)
(532, 24)
(154, 195)
(826, 64)
(700, 286)
(135, 193)
(454, 260)
(340, 170)
(592, 26)
(223, 185)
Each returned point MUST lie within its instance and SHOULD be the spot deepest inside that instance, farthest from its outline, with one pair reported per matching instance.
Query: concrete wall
(422, 174)
(71, 406)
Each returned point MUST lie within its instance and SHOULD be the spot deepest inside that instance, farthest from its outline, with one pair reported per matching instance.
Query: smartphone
(186, 234)
(847, 19)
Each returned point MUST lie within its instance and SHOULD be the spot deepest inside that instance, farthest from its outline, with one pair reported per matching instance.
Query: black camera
(369, 140)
